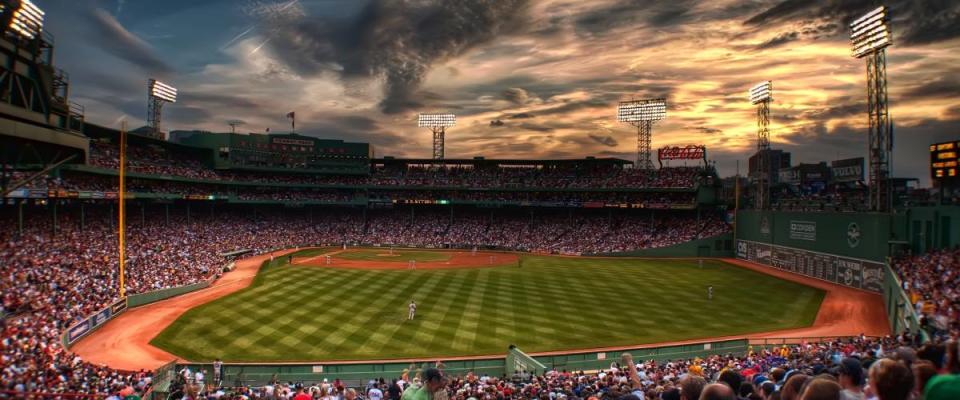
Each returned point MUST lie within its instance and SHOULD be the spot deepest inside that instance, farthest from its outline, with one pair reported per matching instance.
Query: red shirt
(302, 396)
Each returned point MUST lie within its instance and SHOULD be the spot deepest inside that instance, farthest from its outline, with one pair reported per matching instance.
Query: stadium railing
(900, 309)
(261, 373)
(14, 394)
(768, 343)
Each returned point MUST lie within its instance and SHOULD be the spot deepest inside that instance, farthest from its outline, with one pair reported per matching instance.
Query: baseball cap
(942, 387)
(851, 367)
(759, 379)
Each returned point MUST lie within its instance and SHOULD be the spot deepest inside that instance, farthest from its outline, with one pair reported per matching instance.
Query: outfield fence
(238, 374)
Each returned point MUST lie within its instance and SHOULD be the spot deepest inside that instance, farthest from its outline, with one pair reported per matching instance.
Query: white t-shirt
(375, 394)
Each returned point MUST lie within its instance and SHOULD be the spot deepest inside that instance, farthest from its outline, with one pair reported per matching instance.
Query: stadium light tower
(437, 123)
(158, 93)
(870, 36)
(642, 114)
(761, 95)
(27, 20)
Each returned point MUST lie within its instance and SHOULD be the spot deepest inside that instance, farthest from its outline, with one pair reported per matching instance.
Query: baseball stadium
(400, 255)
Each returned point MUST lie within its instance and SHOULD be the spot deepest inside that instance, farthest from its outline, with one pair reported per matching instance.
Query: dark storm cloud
(396, 41)
(708, 130)
(496, 123)
(113, 38)
(356, 122)
(655, 13)
(608, 141)
(845, 109)
(536, 127)
(188, 115)
(516, 95)
(521, 116)
(779, 40)
(214, 100)
(940, 88)
(914, 22)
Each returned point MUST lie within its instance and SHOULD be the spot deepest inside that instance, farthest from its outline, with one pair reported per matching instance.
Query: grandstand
(284, 255)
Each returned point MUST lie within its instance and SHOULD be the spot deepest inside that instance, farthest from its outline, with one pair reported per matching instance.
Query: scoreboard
(944, 160)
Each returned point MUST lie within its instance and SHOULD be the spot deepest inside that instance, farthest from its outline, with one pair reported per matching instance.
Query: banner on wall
(92, 322)
(846, 271)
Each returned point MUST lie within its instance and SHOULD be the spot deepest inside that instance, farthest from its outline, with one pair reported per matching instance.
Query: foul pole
(122, 199)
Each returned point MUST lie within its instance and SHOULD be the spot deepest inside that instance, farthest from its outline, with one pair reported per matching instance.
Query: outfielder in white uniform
(413, 310)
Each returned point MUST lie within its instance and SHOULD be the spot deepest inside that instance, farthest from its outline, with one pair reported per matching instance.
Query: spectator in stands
(432, 381)
(717, 391)
(691, 386)
(821, 389)
(891, 380)
(851, 379)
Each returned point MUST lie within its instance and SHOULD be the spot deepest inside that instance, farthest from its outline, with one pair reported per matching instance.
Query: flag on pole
(293, 121)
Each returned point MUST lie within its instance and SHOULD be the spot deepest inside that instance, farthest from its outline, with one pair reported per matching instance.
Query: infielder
(710, 292)
(413, 310)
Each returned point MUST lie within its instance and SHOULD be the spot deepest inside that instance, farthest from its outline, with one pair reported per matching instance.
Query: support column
(83, 217)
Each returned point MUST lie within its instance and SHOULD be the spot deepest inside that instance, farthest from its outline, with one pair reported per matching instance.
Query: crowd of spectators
(859, 368)
(62, 267)
(58, 271)
(932, 281)
(158, 160)
(73, 181)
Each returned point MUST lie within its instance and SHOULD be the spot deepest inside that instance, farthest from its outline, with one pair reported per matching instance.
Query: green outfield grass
(551, 303)
(383, 254)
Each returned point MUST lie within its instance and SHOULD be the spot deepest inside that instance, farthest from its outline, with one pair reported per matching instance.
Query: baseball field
(354, 306)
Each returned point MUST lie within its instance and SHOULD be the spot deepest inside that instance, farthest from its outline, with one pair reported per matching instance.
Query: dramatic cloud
(779, 40)
(608, 141)
(531, 78)
(113, 38)
(398, 41)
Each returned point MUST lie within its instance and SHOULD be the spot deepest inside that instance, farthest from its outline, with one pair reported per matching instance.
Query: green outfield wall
(137, 300)
(933, 227)
(358, 373)
(849, 249)
(855, 235)
(716, 246)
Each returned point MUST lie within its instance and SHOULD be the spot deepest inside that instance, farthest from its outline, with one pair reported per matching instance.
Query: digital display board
(944, 160)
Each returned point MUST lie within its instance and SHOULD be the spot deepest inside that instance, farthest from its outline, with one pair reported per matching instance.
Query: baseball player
(710, 292)
(413, 310)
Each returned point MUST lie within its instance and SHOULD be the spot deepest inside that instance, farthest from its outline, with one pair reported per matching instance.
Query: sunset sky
(533, 79)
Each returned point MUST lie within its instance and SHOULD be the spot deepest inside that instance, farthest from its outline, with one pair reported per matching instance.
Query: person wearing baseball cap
(432, 381)
(851, 379)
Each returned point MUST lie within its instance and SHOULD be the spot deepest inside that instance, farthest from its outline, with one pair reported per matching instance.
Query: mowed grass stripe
(551, 303)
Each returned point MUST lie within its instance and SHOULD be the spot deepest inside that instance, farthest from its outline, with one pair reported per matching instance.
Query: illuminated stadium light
(761, 92)
(642, 110)
(158, 93)
(163, 91)
(438, 124)
(436, 120)
(642, 114)
(870, 32)
(27, 20)
(869, 37)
